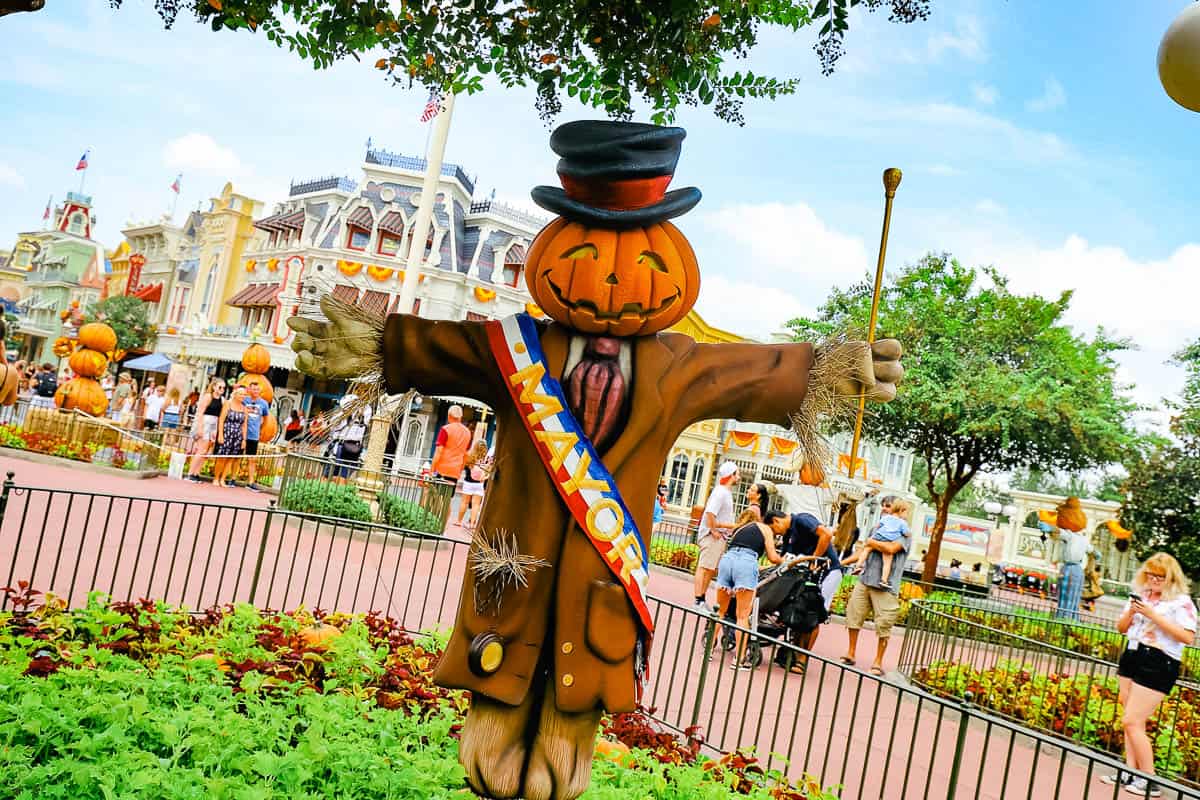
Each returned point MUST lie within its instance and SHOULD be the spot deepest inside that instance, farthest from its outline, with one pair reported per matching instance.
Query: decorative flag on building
(175, 185)
(432, 106)
(46, 213)
(83, 164)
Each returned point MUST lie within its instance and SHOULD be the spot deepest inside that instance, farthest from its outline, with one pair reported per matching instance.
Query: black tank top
(213, 409)
(750, 537)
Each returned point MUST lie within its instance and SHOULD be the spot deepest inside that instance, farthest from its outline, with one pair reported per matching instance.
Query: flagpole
(891, 180)
(421, 226)
(175, 187)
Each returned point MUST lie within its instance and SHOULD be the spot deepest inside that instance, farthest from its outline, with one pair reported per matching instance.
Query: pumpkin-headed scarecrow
(552, 626)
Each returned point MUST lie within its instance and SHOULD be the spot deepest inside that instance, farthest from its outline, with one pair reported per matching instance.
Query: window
(675, 484)
(697, 482)
(511, 274)
(412, 438)
(179, 304)
(389, 244)
(357, 238)
(209, 280)
(24, 258)
(76, 224)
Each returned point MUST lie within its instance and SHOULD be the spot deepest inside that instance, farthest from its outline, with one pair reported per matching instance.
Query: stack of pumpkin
(256, 361)
(88, 361)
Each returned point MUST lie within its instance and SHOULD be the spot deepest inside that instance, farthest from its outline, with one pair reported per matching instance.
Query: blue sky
(1032, 135)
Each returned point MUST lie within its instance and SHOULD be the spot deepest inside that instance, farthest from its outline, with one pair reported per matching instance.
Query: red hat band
(616, 195)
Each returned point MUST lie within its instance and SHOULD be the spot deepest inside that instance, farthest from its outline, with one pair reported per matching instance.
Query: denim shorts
(738, 569)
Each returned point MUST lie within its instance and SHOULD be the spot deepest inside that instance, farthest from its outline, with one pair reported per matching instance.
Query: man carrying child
(878, 588)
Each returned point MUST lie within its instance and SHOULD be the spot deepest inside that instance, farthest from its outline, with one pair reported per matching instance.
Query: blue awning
(155, 362)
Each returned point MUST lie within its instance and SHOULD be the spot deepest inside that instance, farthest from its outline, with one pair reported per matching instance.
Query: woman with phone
(1159, 621)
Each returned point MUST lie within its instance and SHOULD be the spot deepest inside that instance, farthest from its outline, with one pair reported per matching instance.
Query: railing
(386, 159)
(505, 210)
(871, 737)
(951, 650)
(322, 185)
(378, 487)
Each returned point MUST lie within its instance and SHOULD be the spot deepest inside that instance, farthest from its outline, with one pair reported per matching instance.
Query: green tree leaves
(995, 380)
(129, 318)
(609, 55)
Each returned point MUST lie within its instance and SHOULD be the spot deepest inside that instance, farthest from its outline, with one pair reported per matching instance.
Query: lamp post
(1179, 59)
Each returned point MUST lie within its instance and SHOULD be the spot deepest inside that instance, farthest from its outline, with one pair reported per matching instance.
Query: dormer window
(76, 224)
(358, 229)
(514, 262)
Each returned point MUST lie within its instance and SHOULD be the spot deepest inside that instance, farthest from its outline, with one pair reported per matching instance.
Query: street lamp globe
(1179, 58)
(1010, 510)
(992, 507)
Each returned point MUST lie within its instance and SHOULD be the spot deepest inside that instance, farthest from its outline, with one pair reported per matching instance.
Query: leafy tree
(994, 381)
(968, 502)
(1162, 502)
(129, 318)
(603, 53)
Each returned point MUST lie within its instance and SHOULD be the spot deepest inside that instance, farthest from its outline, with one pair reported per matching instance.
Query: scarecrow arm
(438, 357)
(748, 382)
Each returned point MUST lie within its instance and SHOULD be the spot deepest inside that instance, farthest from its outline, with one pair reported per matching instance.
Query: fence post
(960, 744)
(709, 635)
(4, 492)
(262, 551)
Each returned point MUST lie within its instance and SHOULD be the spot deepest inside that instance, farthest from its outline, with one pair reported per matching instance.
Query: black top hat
(615, 174)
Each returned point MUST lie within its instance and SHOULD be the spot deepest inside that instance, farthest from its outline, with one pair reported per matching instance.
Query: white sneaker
(1139, 787)
(701, 604)
(1122, 778)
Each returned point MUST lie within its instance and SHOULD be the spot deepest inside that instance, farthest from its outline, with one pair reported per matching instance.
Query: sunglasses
(1156, 576)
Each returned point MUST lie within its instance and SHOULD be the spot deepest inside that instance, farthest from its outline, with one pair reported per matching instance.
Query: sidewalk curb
(83, 466)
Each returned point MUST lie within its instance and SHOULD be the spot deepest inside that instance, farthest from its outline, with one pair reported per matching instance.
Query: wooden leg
(560, 761)
(493, 748)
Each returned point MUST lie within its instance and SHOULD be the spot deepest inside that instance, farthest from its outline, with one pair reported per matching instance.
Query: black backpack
(47, 384)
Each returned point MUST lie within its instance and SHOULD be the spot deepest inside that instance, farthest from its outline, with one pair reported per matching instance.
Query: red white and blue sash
(582, 480)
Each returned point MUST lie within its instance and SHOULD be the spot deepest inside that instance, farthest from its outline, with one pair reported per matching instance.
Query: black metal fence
(1045, 674)
(871, 737)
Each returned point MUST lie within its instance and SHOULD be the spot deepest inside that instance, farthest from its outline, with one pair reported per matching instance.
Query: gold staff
(891, 180)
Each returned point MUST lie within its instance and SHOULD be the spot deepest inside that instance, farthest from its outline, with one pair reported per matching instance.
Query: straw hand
(876, 373)
(343, 347)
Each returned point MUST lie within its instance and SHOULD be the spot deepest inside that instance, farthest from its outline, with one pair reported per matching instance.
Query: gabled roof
(289, 220)
(393, 223)
(255, 295)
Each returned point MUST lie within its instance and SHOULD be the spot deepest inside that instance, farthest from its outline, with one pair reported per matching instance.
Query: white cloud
(1053, 96)
(788, 238)
(200, 152)
(10, 177)
(984, 94)
(967, 40)
(988, 206)
(749, 308)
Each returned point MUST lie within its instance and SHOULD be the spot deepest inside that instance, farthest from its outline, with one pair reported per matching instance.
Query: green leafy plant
(325, 499)
(408, 515)
(129, 318)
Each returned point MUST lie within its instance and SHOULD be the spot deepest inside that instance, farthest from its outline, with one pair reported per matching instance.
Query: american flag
(432, 106)
(83, 162)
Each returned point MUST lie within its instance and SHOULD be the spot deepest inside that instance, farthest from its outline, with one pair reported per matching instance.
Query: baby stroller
(788, 606)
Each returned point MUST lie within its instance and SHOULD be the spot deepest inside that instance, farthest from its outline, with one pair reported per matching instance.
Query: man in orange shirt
(452, 442)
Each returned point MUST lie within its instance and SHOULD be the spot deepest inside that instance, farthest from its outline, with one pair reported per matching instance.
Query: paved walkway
(839, 724)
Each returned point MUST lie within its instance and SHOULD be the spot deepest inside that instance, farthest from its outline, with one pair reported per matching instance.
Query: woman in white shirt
(1159, 621)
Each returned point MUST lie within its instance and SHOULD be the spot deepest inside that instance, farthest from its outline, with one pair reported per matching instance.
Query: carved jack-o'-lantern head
(611, 264)
(618, 283)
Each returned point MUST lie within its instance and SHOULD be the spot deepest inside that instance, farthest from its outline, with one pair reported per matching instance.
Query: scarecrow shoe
(492, 749)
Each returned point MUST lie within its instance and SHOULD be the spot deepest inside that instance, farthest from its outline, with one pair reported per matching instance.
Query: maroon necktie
(596, 391)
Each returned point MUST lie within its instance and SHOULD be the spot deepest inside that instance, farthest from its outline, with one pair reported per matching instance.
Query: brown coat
(575, 609)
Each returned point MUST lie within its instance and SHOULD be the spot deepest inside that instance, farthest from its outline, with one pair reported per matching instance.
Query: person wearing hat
(715, 523)
(565, 636)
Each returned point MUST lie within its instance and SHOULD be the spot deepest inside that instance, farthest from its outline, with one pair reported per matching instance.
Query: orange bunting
(860, 465)
(743, 439)
(484, 295)
(349, 267)
(251, 264)
(534, 310)
(379, 273)
(273, 264)
(781, 446)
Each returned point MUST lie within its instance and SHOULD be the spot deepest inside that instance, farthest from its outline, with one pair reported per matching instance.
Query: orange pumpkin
(99, 337)
(269, 429)
(619, 283)
(88, 363)
(812, 474)
(268, 391)
(63, 347)
(84, 394)
(319, 636)
(256, 359)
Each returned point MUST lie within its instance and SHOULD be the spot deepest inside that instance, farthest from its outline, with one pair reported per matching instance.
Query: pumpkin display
(63, 347)
(99, 337)
(320, 636)
(84, 394)
(270, 428)
(629, 282)
(1071, 516)
(88, 363)
(812, 474)
(256, 359)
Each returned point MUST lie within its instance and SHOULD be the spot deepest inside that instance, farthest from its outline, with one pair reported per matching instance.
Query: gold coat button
(567, 648)
(486, 654)
(568, 679)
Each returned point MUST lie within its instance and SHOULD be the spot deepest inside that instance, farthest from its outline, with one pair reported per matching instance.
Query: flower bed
(144, 700)
(908, 592)
(130, 457)
(1077, 707)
